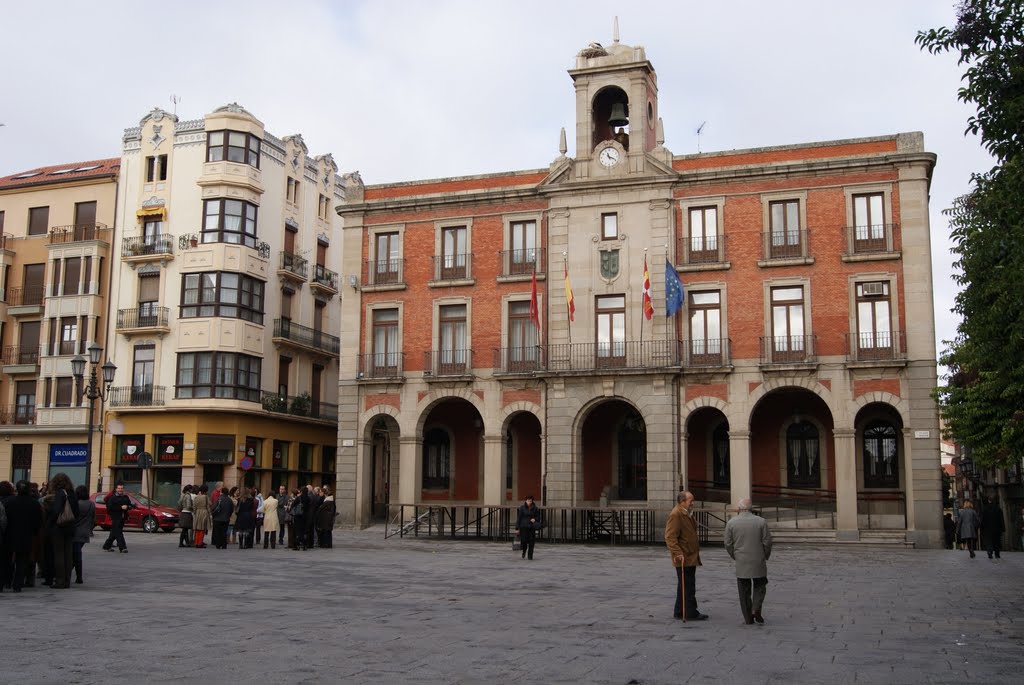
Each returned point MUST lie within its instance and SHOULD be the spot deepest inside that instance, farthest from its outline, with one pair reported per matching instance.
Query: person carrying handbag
(529, 520)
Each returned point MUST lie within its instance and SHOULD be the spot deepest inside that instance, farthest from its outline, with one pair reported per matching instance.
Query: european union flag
(673, 290)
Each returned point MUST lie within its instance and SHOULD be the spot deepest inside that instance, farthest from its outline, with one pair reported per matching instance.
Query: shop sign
(129, 447)
(68, 454)
(169, 449)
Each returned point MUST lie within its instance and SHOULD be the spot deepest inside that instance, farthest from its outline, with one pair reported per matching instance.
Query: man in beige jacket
(749, 542)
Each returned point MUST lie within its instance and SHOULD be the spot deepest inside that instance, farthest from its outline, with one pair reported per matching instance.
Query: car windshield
(141, 499)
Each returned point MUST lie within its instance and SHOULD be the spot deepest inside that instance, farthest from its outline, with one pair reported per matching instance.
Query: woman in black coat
(83, 527)
(528, 521)
(245, 519)
(24, 518)
(221, 515)
(992, 527)
(300, 513)
(61, 536)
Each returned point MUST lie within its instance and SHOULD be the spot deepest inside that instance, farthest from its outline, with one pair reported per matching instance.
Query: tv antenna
(700, 130)
(174, 101)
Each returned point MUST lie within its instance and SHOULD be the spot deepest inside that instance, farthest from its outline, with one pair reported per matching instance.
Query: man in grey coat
(749, 542)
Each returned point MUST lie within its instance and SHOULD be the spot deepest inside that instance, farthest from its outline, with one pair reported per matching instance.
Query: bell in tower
(610, 116)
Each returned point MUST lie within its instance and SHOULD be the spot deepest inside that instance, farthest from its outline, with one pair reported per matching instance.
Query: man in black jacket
(24, 518)
(118, 506)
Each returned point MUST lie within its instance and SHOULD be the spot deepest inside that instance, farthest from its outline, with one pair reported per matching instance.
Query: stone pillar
(740, 477)
(410, 470)
(494, 470)
(908, 478)
(846, 484)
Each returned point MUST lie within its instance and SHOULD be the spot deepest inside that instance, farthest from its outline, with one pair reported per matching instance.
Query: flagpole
(568, 313)
(643, 303)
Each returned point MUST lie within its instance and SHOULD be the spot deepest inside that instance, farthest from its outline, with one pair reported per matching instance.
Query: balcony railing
(453, 267)
(877, 346)
(299, 405)
(523, 262)
(710, 352)
(785, 244)
(527, 359)
(621, 355)
(699, 249)
(74, 233)
(17, 356)
(873, 239)
(448, 362)
(382, 365)
(789, 349)
(294, 264)
(326, 278)
(66, 348)
(146, 317)
(18, 415)
(147, 245)
(32, 296)
(137, 396)
(303, 335)
(385, 272)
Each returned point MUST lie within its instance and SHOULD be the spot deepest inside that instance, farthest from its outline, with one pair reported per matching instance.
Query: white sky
(401, 90)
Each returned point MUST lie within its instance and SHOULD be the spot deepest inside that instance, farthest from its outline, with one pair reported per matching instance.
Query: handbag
(517, 545)
(66, 518)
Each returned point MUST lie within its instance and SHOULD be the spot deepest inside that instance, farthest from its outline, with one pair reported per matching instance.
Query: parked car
(149, 515)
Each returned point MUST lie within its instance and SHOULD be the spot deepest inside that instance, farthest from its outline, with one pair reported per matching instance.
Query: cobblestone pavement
(424, 611)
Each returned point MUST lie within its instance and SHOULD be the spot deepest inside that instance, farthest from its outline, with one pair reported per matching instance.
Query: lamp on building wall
(353, 281)
(94, 390)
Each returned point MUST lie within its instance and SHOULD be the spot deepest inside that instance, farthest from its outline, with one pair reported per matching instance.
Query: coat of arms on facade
(609, 263)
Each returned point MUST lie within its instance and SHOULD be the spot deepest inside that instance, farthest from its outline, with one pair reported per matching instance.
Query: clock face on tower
(608, 157)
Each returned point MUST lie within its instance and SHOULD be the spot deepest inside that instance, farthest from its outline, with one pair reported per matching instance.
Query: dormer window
(233, 146)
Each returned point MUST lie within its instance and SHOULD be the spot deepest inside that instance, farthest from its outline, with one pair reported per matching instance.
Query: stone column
(846, 484)
(740, 477)
(410, 470)
(494, 470)
(908, 478)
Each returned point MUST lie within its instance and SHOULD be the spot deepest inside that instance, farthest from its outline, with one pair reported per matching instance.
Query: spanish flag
(570, 303)
(647, 304)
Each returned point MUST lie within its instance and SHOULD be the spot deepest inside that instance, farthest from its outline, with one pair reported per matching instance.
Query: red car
(147, 514)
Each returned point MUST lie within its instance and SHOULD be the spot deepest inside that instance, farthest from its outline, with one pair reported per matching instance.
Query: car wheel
(150, 525)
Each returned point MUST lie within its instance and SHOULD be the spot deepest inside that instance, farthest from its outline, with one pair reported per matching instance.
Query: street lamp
(95, 390)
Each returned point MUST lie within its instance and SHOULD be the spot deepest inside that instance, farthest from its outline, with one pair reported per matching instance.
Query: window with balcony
(523, 353)
(386, 263)
(454, 254)
(436, 460)
(705, 328)
(38, 220)
(229, 221)
(451, 336)
(233, 146)
(65, 392)
(33, 279)
(68, 335)
(869, 223)
(149, 300)
(788, 341)
(218, 374)
(611, 330)
(25, 402)
(28, 342)
(222, 293)
(386, 349)
(142, 367)
(874, 322)
(522, 240)
(283, 370)
(72, 276)
(156, 168)
(785, 239)
(703, 247)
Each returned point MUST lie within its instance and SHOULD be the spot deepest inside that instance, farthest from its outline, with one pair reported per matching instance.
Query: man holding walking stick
(682, 542)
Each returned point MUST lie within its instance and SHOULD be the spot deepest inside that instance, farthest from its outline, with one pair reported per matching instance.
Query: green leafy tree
(983, 400)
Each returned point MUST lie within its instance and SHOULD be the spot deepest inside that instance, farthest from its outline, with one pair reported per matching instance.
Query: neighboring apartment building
(56, 232)
(225, 307)
(796, 366)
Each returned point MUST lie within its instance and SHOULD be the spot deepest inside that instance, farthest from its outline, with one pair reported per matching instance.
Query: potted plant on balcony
(275, 403)
(301, 404)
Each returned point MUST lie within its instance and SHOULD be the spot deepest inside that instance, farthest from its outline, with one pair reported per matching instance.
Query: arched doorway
(881, 500)
(451, 452)
(383, 464)
(791, 444)
(613, 451)
(523, 475)
(707, 455)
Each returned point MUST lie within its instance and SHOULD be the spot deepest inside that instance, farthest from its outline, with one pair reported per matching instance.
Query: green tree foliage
(983, 400)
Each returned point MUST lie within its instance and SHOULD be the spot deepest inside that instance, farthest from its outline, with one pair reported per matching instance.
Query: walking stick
(682, 588)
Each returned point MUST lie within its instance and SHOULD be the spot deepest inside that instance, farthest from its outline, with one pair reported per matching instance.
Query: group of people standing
(42, 532)
(242, 516)
(988, 525)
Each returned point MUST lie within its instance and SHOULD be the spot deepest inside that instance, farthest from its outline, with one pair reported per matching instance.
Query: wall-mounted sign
(922, 434)
(128, 449)
(68, 454)
(168, 449)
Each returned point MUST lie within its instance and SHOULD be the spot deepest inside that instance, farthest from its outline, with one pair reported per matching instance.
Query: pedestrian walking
(271, 524)
(83, 528)
(201, 518)
(681, 540)
(118, 506)
(948, 530)
(529, 520)
(185, 517)
(24, 518)
(967, 526)
(992, 527)
(61, 520)
(749, 542)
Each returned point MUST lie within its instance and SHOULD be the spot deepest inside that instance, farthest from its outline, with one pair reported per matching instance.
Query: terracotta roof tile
(62, 173)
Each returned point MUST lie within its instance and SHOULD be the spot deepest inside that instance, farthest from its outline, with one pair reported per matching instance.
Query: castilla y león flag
(648, 305)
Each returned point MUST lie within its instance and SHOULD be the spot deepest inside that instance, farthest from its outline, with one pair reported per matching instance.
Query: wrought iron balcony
(143, 319)
(699, 249)
(325, 278)
(877, 346)
(18, 415)
(382, 365)
(512, 360)
(385, 272)
(295, 266)
(447, 363)
(785, 244)
(873, 239)
(789, 349)
(143, 246)
(453, 267)
(286, 330)
(620, 355)
(137, 396)
(32, 296)
(299, 405)
(18, 356)
(706, 353)
(523, 262)
(75, 233)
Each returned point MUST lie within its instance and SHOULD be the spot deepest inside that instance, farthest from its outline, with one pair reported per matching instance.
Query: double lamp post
(94, 390)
